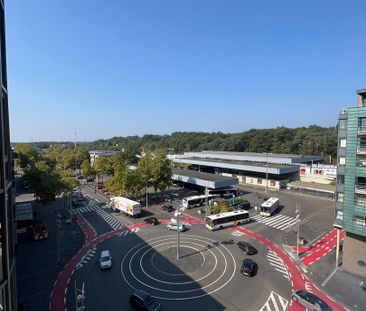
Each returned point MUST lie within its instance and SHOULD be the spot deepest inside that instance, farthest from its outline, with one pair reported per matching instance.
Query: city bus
(197, 200)
(225, 220)
(223, 192)
(269, 207)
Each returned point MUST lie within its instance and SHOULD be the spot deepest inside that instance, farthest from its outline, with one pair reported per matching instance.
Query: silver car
(174, 226)
(310, 301)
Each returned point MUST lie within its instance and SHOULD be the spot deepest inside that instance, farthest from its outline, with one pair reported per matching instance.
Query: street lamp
(267, 172)
(147, 197)
(177, 214)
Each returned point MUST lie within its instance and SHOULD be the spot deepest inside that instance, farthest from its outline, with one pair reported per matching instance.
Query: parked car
(140, 300)
(39, 231)
(105, 260)
(310, 301)
(248, 267)
(247, 248)
(168, 207)
(174, 226)
(151, 220)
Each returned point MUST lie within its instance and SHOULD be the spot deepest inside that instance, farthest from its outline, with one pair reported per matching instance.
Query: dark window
(343, 124)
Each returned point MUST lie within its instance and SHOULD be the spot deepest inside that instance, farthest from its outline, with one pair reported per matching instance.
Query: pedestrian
(363, 284)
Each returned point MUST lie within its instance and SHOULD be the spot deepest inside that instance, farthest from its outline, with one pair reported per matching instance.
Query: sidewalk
(338, 284)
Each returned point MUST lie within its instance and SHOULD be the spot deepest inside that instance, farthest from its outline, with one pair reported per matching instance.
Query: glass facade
(8, 300)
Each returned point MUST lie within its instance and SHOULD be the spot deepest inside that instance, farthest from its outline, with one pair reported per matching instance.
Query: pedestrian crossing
(277, 263)
(93, 206)
(85, 209)
(275, 302)
(127, 232)
(109, 219)
(88, 256)
(280, 222)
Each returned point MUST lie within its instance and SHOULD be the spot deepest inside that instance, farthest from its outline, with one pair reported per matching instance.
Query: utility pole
(267, 172)
(177, 214)
(206, 192)
(59, 223)
(79, 298)
(297, 212)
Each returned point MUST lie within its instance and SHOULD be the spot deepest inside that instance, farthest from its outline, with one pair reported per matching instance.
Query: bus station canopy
(207, 180)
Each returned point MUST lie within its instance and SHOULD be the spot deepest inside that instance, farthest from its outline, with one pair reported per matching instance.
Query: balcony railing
(360, 188)
(361, 149)
(362, 130)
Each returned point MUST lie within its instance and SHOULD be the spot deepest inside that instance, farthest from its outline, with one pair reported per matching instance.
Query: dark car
(151, 220)
(168, 207)
(248, 267)
(247, 248)
(245, 205)
(140, 300)
(310, 301)
(39, 231)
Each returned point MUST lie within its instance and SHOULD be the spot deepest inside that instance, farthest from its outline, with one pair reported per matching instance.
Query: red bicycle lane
(298, 279)
(58, 295)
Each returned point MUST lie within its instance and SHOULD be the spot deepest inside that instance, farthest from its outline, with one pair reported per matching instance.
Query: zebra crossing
(85, 209)
(280, 222)
(109, 219)
(93, 206)
(277, 263)
(127, 232)
(275, 302)
(89, 255)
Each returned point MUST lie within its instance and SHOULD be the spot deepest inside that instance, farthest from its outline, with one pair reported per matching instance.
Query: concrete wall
(261, 182)
(354, 249)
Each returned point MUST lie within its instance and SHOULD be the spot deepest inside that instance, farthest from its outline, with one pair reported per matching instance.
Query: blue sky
(119, 68)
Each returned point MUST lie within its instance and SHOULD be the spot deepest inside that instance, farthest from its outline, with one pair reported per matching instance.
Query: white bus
(223, 192)
(269, 207)
(197, 200)
(225, 220)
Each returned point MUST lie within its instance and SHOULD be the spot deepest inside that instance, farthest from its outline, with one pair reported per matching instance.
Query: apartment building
(351, 184)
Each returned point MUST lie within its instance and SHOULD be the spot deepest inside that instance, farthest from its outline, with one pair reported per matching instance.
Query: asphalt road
(209, 278)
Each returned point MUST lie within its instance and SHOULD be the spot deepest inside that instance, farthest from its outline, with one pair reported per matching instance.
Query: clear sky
(117, 68)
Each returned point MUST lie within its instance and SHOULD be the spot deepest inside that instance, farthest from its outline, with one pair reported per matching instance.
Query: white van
(105, 260)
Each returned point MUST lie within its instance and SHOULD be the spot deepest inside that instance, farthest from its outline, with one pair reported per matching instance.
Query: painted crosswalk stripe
(277, 263)
(275, 302)
(280, 221)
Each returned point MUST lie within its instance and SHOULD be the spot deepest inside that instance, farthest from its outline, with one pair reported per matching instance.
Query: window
(357, 220)
(273, 183)
(342, 143)
(259, 181)
(342, 161)
(342, 124)
(340, 179)
(364, 101)
(340, 196)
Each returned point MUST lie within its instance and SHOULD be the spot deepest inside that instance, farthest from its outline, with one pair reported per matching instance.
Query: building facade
(8, 299)
(351, 184)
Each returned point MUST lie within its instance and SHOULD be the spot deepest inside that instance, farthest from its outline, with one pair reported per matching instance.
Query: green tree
(27, 155)
(161, 171)
(86, 170)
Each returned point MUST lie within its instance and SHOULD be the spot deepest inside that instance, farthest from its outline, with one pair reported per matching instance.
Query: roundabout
(203, 268)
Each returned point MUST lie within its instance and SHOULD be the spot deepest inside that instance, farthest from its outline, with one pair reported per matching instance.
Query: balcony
(362, 130)
(360, 188)
(361, 149)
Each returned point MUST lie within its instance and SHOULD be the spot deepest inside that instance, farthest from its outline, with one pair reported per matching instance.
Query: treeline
(311, 140)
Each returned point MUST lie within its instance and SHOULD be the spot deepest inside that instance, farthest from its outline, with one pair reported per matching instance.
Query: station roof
(207, 180)
(288, 159)
(257, 167)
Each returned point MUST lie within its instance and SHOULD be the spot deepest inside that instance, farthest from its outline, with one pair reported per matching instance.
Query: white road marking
(278, 302)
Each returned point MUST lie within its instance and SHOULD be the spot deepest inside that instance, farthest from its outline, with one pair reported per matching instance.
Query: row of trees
(153, 169)
(51, 173)
(312, 140)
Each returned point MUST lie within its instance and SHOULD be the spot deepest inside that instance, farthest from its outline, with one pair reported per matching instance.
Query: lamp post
(267, 172)
(177, 214)
(147, 195)
(206, 192)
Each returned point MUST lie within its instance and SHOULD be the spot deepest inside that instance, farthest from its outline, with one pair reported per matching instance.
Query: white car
(105, 260)
(174, 226)
(310, 301)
